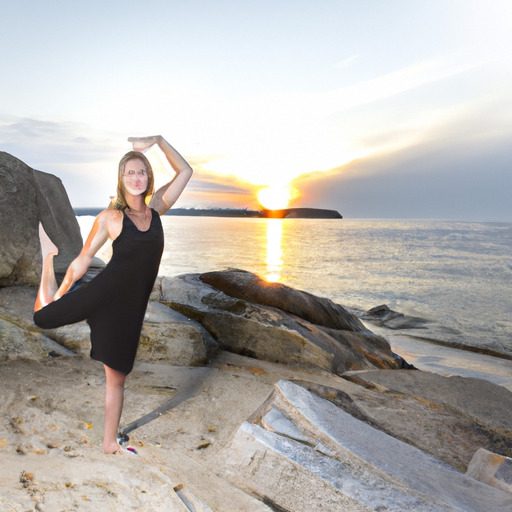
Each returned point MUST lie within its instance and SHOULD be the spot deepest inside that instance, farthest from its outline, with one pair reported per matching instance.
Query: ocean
(455, 276)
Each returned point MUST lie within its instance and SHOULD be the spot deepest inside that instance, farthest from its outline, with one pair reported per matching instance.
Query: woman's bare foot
(47, 246)
(48, 287)
(112, 448)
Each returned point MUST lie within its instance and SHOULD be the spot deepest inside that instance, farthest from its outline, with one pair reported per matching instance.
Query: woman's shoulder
(110, 214)
(110, 218)
(111, 221)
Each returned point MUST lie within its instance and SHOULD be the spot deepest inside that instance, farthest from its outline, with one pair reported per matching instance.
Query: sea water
(457, 276)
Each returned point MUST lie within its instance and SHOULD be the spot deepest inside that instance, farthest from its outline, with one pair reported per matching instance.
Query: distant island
(287, 213)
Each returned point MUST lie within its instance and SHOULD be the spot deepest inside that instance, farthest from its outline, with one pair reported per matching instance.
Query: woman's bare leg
(48, 287)
(114, 396)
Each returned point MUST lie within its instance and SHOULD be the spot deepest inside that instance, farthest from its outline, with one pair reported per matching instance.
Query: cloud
(436, 180)
(457, 166)
(344, 63)
(208, 190)
(49, 142)
(84, 158)
(384, 86)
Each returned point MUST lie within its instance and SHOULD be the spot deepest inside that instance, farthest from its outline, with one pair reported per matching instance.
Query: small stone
(26, 478)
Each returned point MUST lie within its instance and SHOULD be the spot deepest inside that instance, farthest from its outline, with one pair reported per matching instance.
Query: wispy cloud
(390, 84)
(84, 158)
(345, 63)
(47, 143)
(207, 189)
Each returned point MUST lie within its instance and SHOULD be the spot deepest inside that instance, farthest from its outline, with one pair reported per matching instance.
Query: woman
(115, 301)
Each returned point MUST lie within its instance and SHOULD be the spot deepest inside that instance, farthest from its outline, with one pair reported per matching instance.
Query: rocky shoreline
(246, 395)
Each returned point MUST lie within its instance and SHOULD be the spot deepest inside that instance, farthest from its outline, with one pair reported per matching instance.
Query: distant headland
(287, 213)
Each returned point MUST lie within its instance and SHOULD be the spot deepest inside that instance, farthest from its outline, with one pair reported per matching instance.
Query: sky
(395, 109)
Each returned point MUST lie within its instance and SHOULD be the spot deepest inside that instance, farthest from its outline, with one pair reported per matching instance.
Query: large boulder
(252, 288)
(18, 343)
(167, 336)
(28, 197)
(268, 333)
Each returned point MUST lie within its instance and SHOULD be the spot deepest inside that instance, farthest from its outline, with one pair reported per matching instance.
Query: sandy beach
(52, 428)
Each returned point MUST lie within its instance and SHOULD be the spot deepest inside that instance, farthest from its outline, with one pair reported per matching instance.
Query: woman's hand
(143, 143)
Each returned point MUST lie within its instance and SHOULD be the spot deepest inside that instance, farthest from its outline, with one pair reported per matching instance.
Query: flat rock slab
(450, 361)
(293, 476)
(377, 469)
(489, 403)
(422, 473)
(446, 433)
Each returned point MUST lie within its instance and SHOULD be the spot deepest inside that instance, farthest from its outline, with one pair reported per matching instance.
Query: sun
(274, 197)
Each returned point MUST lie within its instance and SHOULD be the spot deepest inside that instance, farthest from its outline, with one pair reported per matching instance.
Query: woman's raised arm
(167, 195)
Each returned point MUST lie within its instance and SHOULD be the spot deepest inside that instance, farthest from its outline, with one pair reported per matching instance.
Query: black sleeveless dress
(114, 302)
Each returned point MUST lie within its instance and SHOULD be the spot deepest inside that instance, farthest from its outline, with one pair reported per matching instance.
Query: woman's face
(135, 177)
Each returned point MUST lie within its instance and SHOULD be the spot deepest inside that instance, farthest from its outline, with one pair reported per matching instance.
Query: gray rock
(449, 433)
(19, 248)
(172, 337)
(166, 335)
(28, 196)
(383, 316)
(483, 401)
(75, 337)
(19, 338)
(492, 469)
(366, 467)
(17, 343)
(58, 219)
(268, 333)
(251, 288)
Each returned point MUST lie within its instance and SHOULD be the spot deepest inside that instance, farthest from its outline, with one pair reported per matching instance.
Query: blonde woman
(115, 301)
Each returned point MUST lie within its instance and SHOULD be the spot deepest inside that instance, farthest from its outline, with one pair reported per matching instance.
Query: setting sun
(274, 197)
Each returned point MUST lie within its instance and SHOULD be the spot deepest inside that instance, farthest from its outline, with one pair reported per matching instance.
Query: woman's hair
(119, 202)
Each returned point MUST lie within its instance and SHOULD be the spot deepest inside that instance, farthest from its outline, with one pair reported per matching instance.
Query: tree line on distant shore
(297, 213)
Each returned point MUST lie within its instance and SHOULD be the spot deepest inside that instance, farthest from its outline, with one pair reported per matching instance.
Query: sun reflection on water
(274, 253)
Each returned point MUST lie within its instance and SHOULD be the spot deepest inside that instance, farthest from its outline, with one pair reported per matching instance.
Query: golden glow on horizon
(274, 197)
(274, 253)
